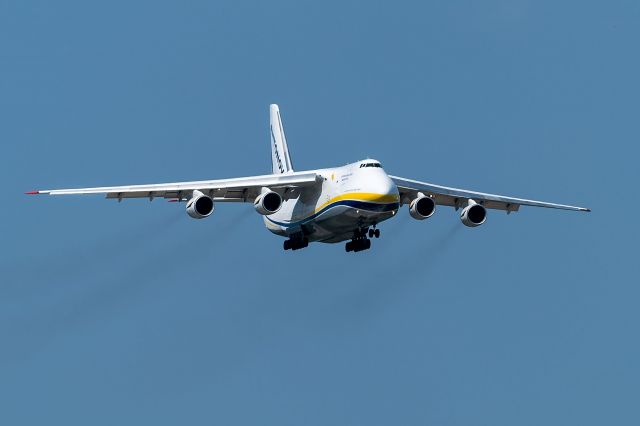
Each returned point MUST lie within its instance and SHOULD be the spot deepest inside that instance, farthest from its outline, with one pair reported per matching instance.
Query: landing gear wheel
(358, 244)
(360, 241)
(296, 244)
(376, 233)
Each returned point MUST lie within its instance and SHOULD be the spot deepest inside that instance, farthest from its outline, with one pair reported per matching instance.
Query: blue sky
(134, 313)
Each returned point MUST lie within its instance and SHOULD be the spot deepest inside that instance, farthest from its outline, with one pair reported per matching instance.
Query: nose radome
(390, 187)
(384, 186)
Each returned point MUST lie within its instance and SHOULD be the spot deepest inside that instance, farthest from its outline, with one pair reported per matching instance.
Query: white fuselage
(350, 197)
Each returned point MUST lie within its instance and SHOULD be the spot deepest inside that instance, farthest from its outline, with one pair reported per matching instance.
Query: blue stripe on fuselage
(362, 205)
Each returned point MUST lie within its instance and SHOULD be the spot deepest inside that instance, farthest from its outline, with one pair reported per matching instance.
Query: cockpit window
(370, 165)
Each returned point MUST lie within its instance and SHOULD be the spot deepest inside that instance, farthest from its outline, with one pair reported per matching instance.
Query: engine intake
(473, 215)
(200, 205)
(422, 207)
(268, 202)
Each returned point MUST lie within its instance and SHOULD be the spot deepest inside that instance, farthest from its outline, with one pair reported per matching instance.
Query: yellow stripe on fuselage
(362, 196)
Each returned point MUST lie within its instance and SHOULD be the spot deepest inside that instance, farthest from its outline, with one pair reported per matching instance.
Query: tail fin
(280, 159)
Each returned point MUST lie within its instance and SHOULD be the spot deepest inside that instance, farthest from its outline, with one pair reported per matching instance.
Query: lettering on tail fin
(280, 159)
(276, 154)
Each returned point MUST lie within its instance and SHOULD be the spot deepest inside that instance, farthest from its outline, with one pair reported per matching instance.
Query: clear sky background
(134, 313)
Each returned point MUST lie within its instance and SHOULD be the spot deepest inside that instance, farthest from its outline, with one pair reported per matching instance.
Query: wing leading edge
(455, 197)
(243, 189)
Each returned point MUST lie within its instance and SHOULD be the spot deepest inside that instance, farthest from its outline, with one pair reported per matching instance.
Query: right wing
(454, 197)
(243, 189)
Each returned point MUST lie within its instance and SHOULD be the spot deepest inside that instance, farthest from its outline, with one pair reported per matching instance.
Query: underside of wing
(243, 189)
(457, 198)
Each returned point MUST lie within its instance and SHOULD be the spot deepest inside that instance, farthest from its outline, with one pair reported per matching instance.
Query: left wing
(458, 198)
(243, 189)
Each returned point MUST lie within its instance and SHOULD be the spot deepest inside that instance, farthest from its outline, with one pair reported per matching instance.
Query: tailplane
(280, 159)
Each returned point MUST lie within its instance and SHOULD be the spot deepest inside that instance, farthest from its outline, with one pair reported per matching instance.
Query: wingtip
(32, 192)
(586, 209)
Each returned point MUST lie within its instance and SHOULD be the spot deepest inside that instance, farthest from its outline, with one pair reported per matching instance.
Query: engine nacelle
(268, 202)
(422, 207)
(473, 215)
(200, 205)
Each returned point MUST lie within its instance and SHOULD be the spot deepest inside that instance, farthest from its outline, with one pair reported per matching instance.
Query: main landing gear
(296, 243)
(360, 241)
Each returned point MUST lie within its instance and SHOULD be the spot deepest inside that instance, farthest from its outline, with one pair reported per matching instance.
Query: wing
(243, 189)
(454, 197)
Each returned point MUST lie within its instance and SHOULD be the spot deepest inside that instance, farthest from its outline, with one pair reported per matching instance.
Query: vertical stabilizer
(280, 159)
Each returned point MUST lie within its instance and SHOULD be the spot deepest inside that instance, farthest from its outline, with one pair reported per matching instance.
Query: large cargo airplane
(327, 205)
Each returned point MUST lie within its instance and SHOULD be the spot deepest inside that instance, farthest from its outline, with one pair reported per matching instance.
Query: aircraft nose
(387, 187)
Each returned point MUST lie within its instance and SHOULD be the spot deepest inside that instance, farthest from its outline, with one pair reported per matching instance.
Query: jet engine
(268, 202)
(473, 215)
(422, 207)
(200, 205)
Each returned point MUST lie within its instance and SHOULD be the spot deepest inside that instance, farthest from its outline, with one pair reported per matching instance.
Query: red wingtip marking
(172, 201)
(32, 193)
